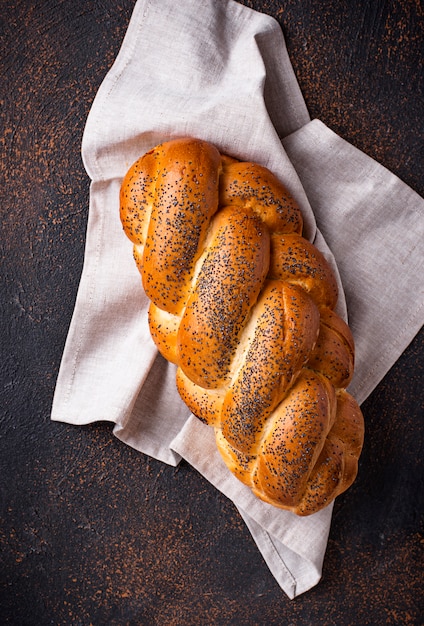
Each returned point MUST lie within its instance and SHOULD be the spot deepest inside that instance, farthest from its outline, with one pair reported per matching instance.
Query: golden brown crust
(337, 466)
(297, 260)
(294, 440)
(241, 465)
(285, 331)
(324, 481)
(333, 354)
(349, 426)
(137, 195)
(244, 306)
(206, 404)
(228, 284)
(337, 324)
(163, 328)
(254, 187)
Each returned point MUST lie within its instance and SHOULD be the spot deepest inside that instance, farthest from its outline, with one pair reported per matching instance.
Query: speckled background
(91, 531)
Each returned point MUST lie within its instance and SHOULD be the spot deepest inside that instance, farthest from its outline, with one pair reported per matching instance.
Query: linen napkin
(220, 71)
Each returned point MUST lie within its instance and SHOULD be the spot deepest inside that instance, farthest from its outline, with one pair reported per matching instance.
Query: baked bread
(243, 305)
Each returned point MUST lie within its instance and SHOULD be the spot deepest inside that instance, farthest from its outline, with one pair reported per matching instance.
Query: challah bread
(243, 305)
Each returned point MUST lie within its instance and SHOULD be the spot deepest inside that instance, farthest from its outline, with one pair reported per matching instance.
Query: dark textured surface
(93, 532)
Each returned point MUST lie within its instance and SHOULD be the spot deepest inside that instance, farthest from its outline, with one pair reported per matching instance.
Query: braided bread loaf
(244, 306)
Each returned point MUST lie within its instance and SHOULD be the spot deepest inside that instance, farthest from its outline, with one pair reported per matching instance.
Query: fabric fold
(291, 546)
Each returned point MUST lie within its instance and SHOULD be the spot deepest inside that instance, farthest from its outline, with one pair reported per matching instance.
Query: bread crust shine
(243, 305)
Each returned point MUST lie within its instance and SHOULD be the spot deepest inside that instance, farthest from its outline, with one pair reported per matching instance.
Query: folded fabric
(220, 71)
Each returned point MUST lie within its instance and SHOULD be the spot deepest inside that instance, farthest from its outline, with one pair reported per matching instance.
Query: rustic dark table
(93, 532)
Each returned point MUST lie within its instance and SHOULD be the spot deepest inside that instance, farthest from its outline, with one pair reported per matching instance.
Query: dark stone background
(93, 532)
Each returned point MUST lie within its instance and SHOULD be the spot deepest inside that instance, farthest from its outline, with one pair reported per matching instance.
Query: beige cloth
(220, 71)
